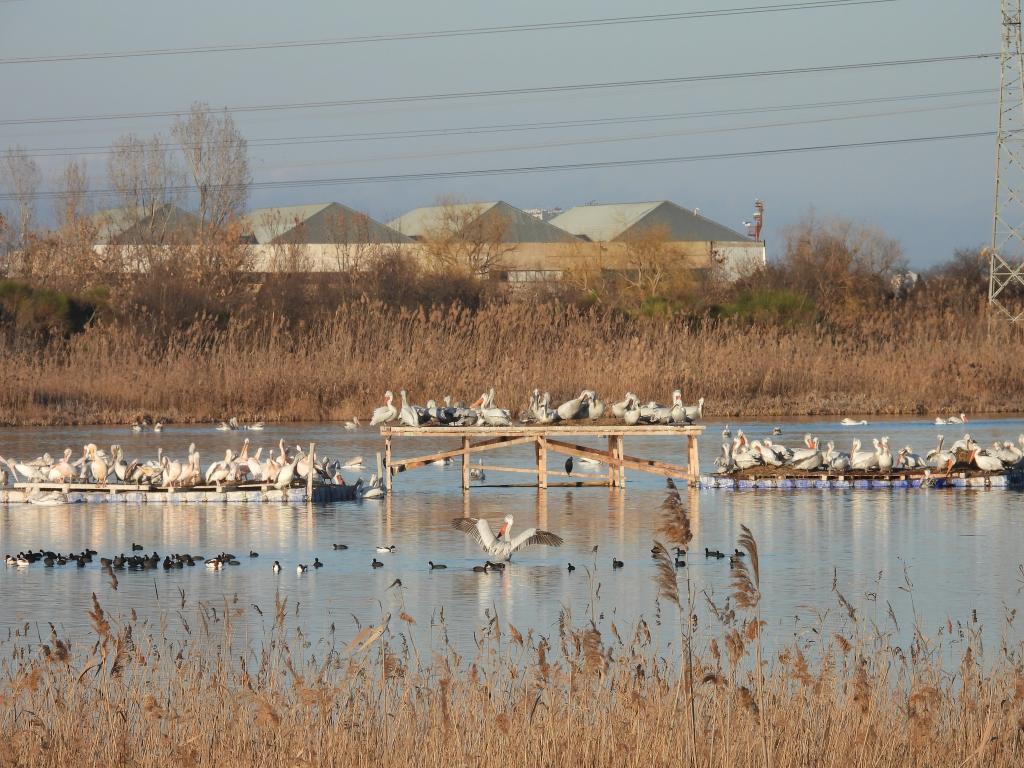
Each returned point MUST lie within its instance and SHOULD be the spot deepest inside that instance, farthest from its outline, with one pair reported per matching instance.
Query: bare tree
(217, 156)
(145, 176)
(21, 178)
(465, 236)
(72, 190)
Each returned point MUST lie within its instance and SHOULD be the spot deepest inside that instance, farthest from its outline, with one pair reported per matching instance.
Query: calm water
(960, 548)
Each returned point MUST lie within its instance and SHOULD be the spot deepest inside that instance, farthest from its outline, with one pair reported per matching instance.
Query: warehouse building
(320, 237)
(166, 224)
(705, 243)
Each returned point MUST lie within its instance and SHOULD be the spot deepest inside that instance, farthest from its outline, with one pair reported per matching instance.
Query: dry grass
(914, 363)
(187, 692)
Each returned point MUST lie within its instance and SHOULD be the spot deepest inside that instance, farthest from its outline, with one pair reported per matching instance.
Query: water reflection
(961, 548)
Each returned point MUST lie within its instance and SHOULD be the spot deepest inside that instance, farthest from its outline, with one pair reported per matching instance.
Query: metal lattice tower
(1006, 257)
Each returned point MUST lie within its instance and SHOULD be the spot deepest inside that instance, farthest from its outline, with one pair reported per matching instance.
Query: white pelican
(158, 427)
(371, 490)
(223, 427)
(848, 422)
(768, 456)
(407, 416)
(694, 412)
(385, 413)
(910, 459)
(633, 412)
(492, 415)
(220, 471)
(352, 425)
(678, 411)
(726, 433)
(807, 458)
(596, 408)
(254, 465)
(937, 457)
(286, 474)
(885, 460)
(173, 471)
(62, 471)
(570, 409)
(1007, 452)
(619, 409)
(545, 413)
(986, 462)
(965, 443)
(750, 457)
(502, 546)
(723, 464)
(862, 459)
(356, 462)
(98, 466)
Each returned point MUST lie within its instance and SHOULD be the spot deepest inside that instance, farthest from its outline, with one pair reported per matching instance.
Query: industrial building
(321, 237)
(165, 224)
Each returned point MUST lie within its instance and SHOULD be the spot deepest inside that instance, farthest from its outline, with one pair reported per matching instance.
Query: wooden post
(620, 451)
(692, 459)
(613, 477)
(386, 477)
(309, 477)
(465, 462)
(542, 462)
(380, 467)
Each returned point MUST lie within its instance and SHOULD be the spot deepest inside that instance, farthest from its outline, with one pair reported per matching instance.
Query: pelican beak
(503, 531)
(476, 403)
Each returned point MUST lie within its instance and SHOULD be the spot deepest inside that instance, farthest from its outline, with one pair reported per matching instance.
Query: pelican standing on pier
(386, 412)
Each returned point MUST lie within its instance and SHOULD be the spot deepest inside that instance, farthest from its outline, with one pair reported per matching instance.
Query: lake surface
(961, 549)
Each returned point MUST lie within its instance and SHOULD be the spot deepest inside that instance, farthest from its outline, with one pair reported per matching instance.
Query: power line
(448, 33)
(544, 89)
(498, 128)
(407, 177)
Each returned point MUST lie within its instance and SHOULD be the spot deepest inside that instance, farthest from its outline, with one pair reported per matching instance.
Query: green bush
(769, 306)
(45, 313)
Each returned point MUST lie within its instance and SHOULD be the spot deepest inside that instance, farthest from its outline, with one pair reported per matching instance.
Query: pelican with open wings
(504, 544)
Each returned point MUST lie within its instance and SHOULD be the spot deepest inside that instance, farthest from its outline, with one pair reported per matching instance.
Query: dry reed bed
(663, 693)
(920, 364)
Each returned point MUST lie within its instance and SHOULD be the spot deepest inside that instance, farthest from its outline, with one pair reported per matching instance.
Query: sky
(933, 197)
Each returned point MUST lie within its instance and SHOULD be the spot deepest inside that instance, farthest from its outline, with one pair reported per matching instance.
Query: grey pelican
(502, 546)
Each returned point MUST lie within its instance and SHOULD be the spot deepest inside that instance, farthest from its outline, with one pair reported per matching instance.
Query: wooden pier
(547, 439)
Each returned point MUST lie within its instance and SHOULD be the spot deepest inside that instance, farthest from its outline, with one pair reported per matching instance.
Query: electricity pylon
(1006, 256)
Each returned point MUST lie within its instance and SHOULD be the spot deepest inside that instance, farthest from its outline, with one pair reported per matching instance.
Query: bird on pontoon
(385, 413)
(503, 545)
(407, 416)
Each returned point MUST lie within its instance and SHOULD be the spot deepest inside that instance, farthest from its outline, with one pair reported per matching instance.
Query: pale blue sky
(933, 197)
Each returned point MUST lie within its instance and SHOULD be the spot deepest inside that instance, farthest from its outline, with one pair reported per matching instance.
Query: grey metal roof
(133, 226)
(323, 223)
(619, 221)
(508, 223)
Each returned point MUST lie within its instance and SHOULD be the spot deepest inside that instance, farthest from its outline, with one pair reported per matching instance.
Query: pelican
(694, 412)
(961, 419)
(678, 412)
(723, 464)
(619, 409)
(502, 546)
(768, 456)
(633, 412)
(937, 457)
(371, 490)
(173, 471)
(965, 443)
(545, 413)
(352, 425)
(751, 457)
(407, 415)
(596, 410)
(97, 464)
(848, 422)
(862, 459)
(885, 460)
(223, 427)
(570, 409)
(726, 433)
(356, 462)
(220, 471)
(986, 462)
(912, 460)
(837, 460)
(491, 415)
(62, 471)
(1008, 453)
(807, 458)
(287, 473)
(385, 413)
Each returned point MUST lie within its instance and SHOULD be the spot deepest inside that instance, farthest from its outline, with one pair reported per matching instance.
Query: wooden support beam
(574, 484)
(465, 462)
(415, 462)
(542, 462)
(521, 470)
(644, 465)
(387, 464)
(613, 479)
(692, 459)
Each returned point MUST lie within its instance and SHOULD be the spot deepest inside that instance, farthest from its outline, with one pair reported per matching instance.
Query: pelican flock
(279, 467)
(742, 454)
(585, 406)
